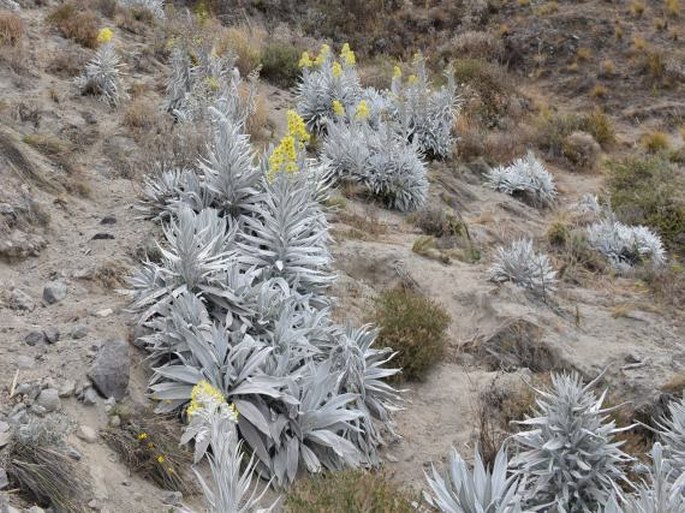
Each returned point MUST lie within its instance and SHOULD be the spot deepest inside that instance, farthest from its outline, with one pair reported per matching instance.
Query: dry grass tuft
(11, 29)
(348, 491)
(637, 8)
(655, 142)
(148, 445)
(672, 8)
(37, 464)
(246, 42)
(77, 23)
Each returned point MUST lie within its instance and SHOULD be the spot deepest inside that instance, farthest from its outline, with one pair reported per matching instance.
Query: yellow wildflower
(306, 60)
(412, 79)
(105, 35)
(337, 69)
(396, 72)
(296, 127)
(142, 436)
(323, 54)
(161, 459)
(203, 394)
(283, 158)
(362, 110)
(348, 55)
(234, 409)
(338, 108)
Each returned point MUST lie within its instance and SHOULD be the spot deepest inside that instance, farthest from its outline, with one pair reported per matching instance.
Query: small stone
(391, 458)
(51, 335)
(4, 480)
(25, 362)
(103, 236)
(110, 370)
(34, 338)
(20, 300)
(5, 439)
(172, 498)
(49, 399)
(35, 509)
(109, 220)
(94, 505)
(115, 421)
(90, 396)
(104, 313)
(67, 389)
(39, 410)
(79, 331)
(4, 426)
(54, 291)
(87, 434)
(73, 454)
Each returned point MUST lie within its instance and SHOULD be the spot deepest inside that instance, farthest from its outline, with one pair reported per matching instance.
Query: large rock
(20, 300)
(49, 399)
(54, 291)
(109, 373)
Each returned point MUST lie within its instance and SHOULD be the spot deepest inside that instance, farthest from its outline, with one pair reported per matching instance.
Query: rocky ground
(69, 236)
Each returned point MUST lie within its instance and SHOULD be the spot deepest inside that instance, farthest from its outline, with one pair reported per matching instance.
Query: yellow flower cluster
(362, 111)
(142, 436)
(306, 60)
(338, 108)
(296, 127)
(284, 156)
(413, 79)
(323, 54)
(105, 35)
(347, 55)
(202, 395)
(337, 69)
(396, 72)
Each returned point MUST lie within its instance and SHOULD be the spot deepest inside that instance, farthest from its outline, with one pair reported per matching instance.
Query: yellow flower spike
(203, 395)
(105, 35)
(305, 60)
(161, 459)
(323, 54)
(142, 436)
(337, 69)
(348, 55)
(296, 127)
(396, 72)
(338, 108)
(362, 111)
(412, 79)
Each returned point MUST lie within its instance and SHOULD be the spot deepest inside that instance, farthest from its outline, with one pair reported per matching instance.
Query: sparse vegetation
(655, 142)
(76, 23)
(348, 492)
(280, 63)
(413, 326)
(11, 29)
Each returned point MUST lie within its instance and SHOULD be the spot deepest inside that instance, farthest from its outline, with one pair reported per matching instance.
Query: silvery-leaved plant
(525, 178)
(378, 159)
(625, 246)
(200, 247)
(212, 425)
(167, 190)
(568, 453)
(102, 76)
(461, 490)
(228, 171)
(425, 115)
(671, 431)
(519, 263)
(287, 236)
(323, 81)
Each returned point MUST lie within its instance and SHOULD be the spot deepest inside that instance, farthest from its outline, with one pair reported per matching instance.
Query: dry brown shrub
(11, 29)
(477, 45)
(246, 42)
(581, 149)
(76, 22)
(141, 114)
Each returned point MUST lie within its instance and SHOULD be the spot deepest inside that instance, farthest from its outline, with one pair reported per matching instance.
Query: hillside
(595, 89)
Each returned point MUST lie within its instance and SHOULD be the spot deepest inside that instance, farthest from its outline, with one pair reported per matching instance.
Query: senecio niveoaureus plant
(525, 178)
(326, 79)
(212, 425)
(625, 246)
(425, 114)
(156, 7)
(568, 454)
(520, 264)
(102, 75)
(239, 300)
(477, 491)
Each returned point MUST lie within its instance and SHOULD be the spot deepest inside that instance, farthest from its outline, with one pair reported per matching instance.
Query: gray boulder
(54, 292)
(110, 370)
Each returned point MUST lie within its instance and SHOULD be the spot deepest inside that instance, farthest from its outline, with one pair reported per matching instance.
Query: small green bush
(280, 64)
(415, 327)
(351, 491)
(492, 84)
(553, 130)
(649, 191)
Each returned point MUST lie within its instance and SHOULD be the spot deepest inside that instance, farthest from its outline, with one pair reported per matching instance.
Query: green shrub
(649, 191)
(280, 64)
(415, 327)
(492, 84)
(552, 130)
(351, 491)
